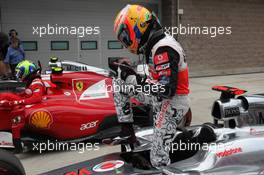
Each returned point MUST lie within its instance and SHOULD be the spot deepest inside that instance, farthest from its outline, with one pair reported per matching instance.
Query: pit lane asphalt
(202, 98)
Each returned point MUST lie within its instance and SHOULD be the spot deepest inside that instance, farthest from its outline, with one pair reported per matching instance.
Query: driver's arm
(35, 92)
(166, 62)
(164, 71)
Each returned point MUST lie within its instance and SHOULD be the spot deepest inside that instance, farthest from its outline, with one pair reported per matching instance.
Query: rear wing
(228, 92)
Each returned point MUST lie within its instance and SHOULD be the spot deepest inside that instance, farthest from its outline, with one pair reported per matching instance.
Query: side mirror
(40, 67)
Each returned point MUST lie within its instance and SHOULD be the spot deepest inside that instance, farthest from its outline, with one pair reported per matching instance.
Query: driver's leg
(124, 111)
(123, 105)
(167, 115)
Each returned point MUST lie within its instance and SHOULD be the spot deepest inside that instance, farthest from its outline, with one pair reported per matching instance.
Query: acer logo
(88, 125)
(229, 152)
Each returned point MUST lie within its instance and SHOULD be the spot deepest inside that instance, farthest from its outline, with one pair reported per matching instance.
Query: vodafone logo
(161, 58)
(108, 165)
(229, 152)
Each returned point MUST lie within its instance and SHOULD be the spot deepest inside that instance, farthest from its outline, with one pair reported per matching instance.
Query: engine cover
(240, 111)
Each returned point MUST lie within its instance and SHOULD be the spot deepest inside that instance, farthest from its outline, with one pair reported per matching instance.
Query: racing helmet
(25, 69)
(131, 24)
(54, 59)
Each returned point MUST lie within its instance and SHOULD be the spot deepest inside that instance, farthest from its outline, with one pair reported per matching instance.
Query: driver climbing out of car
(27, 72)
(140, 31)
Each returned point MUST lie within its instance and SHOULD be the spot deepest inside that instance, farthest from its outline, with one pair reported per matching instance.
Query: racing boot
(126, 136)
(128, 132)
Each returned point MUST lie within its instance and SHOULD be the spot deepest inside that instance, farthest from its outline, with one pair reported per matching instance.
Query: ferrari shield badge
(85, 90)
(41, 119)
(79, 86)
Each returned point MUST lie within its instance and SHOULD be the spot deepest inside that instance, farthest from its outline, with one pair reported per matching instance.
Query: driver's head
(132, 26)
(26, 70)
(13, 33)
(14, 43)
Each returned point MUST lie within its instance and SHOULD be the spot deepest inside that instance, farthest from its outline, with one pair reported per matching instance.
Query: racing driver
(26, 72)
(140, 31)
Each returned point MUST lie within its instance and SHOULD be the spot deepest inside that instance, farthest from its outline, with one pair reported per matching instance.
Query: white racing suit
(168, 107)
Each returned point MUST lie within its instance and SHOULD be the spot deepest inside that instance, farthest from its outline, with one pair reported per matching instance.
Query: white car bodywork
(72, 66)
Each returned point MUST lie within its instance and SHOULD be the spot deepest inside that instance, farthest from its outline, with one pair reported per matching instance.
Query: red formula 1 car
(77, 106)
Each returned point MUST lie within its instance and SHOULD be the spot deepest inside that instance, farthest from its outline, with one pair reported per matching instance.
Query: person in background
(15, 54)
(4, 69)
(13, 34)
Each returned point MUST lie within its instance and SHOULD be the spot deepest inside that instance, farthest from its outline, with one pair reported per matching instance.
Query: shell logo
(41, 119)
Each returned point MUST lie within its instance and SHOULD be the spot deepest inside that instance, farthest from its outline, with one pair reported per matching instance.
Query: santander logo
(229, 152)
(108, 166)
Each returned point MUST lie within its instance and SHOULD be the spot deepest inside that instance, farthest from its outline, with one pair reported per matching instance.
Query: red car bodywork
(76, 105)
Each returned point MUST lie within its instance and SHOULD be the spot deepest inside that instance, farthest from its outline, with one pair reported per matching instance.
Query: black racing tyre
(10, 164)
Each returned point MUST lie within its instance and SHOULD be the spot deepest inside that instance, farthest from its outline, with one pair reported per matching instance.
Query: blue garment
(14, 56)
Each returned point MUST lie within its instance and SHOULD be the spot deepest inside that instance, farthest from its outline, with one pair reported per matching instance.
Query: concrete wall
(240, 52)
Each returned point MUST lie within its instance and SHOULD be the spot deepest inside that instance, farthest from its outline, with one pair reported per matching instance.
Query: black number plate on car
(231, 112)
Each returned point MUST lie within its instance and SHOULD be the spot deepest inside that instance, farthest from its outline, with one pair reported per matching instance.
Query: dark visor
(124, 37)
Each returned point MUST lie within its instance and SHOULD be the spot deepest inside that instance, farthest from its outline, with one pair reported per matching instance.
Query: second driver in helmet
(27, 72)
